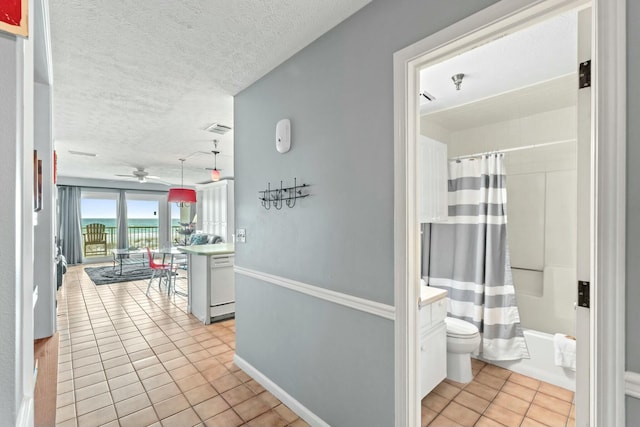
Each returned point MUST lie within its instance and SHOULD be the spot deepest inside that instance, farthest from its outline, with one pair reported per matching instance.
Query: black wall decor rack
(278, 197)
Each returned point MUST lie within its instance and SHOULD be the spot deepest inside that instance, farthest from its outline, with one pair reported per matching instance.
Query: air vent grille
(218, 128)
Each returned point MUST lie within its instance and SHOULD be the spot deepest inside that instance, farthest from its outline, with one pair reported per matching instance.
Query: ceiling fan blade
(158, 180)
(128, 176)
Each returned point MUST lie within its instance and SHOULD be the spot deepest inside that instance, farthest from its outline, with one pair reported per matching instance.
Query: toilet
(463, 338)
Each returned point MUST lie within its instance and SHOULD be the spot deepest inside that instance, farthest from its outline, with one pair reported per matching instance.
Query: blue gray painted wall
(633, 204)
(338, 93)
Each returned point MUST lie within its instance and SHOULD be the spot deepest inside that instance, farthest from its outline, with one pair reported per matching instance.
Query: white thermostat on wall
(283, 135)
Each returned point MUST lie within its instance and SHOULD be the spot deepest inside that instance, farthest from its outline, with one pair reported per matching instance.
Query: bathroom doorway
(572, 149)
(518, 97)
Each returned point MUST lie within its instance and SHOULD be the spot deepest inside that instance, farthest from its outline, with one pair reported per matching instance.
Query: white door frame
(607, 388)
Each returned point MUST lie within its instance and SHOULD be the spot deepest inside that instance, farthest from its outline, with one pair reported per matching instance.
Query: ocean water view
(132, 222)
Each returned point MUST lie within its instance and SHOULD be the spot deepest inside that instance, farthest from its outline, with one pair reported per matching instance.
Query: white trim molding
(609, 104)
(297, 407)
(25, 414)
(632, 384)
(609, 133)
(372, 307)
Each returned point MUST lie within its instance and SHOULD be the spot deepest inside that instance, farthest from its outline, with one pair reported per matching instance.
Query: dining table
(175, 258)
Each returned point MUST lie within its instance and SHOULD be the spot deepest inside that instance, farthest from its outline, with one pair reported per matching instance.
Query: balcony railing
(139, 236)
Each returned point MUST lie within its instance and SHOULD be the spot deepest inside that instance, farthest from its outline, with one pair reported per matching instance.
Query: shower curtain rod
(506, 150)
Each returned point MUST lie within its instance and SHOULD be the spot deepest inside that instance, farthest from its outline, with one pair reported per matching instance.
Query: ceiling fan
(141, 175)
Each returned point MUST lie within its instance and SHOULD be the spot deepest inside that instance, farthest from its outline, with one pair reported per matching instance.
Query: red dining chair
(159, 270)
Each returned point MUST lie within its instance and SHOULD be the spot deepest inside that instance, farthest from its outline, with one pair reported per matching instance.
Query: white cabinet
(433, 184)
(215, 209)
(221, 284)
(211, 283)
(433, 345)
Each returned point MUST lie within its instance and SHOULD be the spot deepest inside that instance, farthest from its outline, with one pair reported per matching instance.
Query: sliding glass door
(98, 207)
(148, 220)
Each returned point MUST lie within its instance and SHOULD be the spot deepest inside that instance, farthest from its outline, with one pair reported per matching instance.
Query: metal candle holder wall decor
(288, 195)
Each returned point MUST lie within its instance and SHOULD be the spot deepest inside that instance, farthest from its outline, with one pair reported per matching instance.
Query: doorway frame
(607, 315)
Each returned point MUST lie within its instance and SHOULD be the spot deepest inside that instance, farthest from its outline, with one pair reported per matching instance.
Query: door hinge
(583, 294)
(584, 75)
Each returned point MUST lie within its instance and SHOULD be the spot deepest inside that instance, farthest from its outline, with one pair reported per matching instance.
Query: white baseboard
(25, 413)
(297, 407)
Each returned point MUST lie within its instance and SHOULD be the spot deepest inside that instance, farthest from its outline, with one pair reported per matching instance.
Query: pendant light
(182, 196)
(215, 173)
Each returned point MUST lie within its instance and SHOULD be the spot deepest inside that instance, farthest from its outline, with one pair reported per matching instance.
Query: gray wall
(338, 93)
(633, 411)
(10, 250)
(633, 203)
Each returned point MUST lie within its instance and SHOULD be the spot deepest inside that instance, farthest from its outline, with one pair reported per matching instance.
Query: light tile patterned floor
(131, 361)
(498, 397)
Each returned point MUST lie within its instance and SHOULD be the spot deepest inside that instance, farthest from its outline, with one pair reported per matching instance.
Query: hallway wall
(338, 93)
(633, 205)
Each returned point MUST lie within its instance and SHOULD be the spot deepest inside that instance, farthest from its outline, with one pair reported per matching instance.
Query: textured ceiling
(136, 82)
(536, 54)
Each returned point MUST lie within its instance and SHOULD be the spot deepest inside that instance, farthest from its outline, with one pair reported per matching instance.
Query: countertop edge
(434, 295)
(211, 249)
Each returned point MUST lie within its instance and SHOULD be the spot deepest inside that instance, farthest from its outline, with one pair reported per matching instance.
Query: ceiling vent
(426, 95)
(218, 128)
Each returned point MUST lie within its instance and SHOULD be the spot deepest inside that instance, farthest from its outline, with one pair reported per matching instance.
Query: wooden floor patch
(45, 353)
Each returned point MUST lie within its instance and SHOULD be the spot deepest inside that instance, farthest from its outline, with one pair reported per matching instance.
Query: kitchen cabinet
(215, 209)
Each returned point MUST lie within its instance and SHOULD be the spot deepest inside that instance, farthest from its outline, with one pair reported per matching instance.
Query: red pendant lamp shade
(182, 195)
(215, 175)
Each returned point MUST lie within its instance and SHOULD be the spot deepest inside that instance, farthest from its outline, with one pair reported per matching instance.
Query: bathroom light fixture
(182, 196)
(457, 80)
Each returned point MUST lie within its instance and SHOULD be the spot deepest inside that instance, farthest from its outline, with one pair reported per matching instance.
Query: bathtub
(541, 366)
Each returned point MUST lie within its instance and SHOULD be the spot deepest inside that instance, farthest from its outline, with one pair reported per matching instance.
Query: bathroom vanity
(211, 281)
(433, 338)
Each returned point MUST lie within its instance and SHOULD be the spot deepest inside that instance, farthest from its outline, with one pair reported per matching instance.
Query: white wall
(541, 209)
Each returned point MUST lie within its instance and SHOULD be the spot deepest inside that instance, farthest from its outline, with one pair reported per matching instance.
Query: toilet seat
(458, 328)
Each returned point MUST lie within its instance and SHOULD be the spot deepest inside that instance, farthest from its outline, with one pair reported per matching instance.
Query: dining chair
(159, 270)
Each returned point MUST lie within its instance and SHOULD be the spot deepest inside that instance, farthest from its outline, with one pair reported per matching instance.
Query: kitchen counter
(429, 294)
(213, 249)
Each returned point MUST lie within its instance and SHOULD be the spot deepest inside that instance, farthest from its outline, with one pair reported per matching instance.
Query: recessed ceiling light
(82, 153)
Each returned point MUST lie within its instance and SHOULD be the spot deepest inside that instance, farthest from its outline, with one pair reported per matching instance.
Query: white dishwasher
(222, 286)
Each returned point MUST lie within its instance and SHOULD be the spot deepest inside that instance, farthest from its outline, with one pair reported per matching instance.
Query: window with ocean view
(146, 214)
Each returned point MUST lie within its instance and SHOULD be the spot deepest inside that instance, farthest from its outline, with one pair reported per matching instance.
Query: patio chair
(95, 236)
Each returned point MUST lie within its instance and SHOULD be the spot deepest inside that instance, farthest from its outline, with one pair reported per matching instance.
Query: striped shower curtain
(469, 256)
